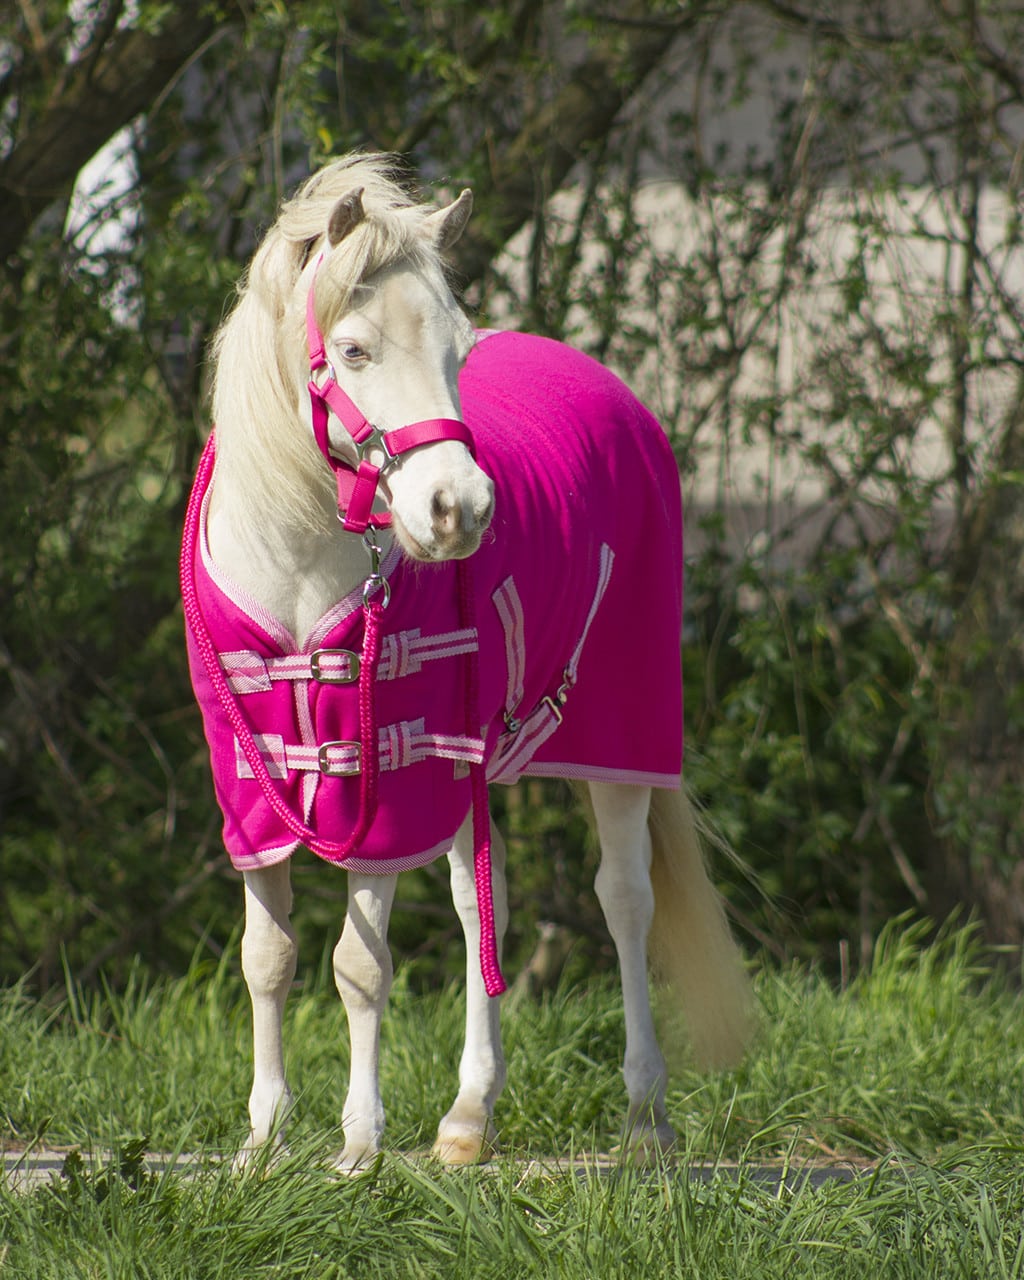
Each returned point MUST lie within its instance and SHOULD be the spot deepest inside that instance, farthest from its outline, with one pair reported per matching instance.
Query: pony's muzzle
(448, 522)
(458, 523)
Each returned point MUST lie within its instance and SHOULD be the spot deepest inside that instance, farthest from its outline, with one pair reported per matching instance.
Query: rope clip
(375, 578)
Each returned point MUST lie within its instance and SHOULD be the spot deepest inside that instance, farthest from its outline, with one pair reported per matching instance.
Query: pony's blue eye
(352, 353)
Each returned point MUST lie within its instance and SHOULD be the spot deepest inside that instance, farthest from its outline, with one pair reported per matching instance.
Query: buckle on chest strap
(324, 666)
(347, 759)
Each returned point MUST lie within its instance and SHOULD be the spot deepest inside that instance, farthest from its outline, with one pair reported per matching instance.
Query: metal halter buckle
(376, 439)
(554, 707)
(329, 375)
(557, 702)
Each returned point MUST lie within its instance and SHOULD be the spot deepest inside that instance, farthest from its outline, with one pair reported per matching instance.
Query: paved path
(25, 1170)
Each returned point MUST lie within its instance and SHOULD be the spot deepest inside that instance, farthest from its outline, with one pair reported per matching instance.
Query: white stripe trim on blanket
(510, 611)
(604, 576)
(403, 653)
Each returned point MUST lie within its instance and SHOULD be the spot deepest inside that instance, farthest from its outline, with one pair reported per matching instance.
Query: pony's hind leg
(624, 890)
(268, 964)
(362, 974)
(466, 1134)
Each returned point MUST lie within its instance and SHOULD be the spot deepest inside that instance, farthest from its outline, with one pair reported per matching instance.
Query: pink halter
(357, 486)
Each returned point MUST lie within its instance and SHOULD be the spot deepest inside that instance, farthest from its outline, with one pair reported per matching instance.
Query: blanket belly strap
(516, 748)
(403, 653)
(524, 735)
(399, 746)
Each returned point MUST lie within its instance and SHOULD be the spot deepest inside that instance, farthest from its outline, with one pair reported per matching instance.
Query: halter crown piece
(357, 486)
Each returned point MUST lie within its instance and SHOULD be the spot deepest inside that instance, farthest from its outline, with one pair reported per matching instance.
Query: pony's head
(352, 256)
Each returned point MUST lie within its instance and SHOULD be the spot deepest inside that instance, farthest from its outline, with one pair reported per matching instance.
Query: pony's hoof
(648, 1143)
(466, 1135)
(357, 1161)
(467, 1146)
(259, 1156)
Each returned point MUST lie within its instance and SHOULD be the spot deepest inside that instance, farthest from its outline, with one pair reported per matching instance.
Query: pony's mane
(259, 353)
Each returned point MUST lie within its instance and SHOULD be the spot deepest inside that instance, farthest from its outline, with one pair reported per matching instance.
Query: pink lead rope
(490, 964)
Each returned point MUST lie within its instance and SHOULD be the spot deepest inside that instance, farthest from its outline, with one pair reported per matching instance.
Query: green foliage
(920, 1054)
(827, 311)
(838, 393)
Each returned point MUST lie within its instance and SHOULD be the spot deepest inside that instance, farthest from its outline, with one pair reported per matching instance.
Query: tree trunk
(121, 74)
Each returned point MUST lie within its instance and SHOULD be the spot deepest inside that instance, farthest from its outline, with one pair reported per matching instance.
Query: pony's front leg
(363, 973)
(466, 1134)
(623, 887)
(268, 964)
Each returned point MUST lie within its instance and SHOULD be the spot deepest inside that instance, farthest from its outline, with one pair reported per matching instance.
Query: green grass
(917, 1067)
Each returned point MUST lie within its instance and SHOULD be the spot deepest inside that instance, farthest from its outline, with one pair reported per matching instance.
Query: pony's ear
(346, 214)
(445, 226)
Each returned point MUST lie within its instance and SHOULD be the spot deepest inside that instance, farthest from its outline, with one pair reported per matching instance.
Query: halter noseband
(357, 486)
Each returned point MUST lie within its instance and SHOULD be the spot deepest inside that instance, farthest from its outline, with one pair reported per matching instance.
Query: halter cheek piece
(357, 486)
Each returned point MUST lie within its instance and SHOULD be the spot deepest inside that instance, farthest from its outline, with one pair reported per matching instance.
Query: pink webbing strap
(356, 492)
(490, 964)
(430, 430)
(327, 849)
(357, 489)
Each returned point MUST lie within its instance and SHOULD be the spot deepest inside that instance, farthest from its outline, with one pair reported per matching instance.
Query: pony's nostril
(453, 519)
(444, 511)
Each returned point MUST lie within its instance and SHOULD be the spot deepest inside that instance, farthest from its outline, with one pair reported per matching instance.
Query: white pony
(345, 320)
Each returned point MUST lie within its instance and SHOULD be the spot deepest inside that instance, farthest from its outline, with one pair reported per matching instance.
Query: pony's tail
(690, 947)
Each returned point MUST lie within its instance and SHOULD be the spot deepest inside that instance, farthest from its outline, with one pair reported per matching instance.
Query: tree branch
(99, 95)
(539, 158)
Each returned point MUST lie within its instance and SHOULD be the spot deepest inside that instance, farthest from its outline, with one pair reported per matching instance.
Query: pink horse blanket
(570, 656)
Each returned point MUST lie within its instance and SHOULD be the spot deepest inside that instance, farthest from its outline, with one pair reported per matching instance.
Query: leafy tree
(109, 834)
(837, 298)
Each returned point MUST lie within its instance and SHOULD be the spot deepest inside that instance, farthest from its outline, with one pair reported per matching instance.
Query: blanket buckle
(340, 768)
(322, 674)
